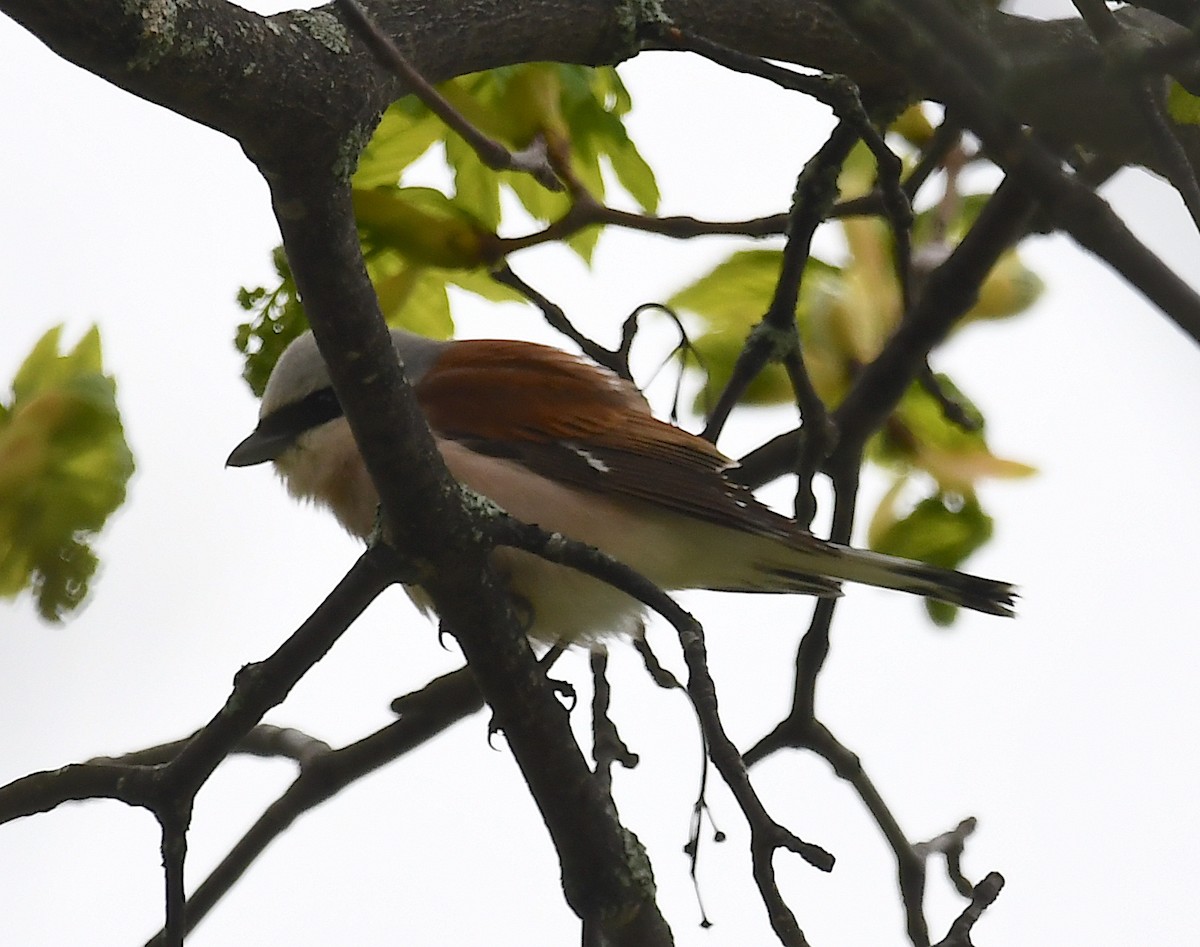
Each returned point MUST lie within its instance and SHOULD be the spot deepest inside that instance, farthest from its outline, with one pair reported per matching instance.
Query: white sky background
(1070, 732)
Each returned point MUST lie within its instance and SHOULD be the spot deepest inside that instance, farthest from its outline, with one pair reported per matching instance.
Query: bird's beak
(258, 448)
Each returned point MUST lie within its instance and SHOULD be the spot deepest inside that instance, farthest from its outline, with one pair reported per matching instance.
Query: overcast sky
(1070, 732)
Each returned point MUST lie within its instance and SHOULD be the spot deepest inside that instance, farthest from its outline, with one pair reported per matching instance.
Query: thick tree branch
(270, 82)
(1148, 94)
(944, 52)
(606, 877)
(301, 93)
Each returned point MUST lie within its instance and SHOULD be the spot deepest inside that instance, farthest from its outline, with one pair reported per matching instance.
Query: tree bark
(301, 76)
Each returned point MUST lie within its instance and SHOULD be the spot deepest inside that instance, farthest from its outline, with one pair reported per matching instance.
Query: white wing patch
(590, 459)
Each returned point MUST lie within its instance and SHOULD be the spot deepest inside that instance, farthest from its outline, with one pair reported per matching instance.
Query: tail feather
(769, 578)
(946, 585)
(817, 567)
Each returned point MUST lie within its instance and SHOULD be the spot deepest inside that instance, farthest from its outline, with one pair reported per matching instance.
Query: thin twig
(981, 899)
(777, 336)
(257, 688)
(948, 292)
(613, 361)
(607, 746)
(814, 647)
(168, 788)
(952, 410)
(838, 92)
(174, 822)
(841, 95)
(766, 834)
(264, 740)
(586, 211)
(799, 732)
(659, 674)
(801, 728)
(425, 713)
(950, 846)
(945, 139)
(492, 153)
(1175, 163)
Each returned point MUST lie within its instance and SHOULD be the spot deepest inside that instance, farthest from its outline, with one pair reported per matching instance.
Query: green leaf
(859, 172)
(597, 132)
(576, 110)
(278, 317)
(498, 102)
(476, 186)
(411, 296)
(481, 284)
(1010, 288)
(734, 294)
(635, 175)
(584, 242)
(406, 131)
(542, 204)
(913, 126)
(585, 159)
(417, 240)
(64, 466)
(931, 225)
(924, 421)
(414, 298)
(1182, 106)
(733, 297)
(718, 352)
(942, 530)
(423, 225)
(941, 614)
(920, 435)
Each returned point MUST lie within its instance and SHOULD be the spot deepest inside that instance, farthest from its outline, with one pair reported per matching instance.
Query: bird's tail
(795, 563)
(802, 563)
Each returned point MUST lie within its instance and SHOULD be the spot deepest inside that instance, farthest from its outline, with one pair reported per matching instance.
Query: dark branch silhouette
(300, 93)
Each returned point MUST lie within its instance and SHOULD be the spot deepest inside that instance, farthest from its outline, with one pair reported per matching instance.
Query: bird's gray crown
(301, 370)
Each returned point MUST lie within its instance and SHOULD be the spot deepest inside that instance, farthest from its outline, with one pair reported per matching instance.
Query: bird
(561, 442)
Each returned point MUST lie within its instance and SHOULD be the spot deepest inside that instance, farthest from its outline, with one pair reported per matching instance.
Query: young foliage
(64, 465)
(845, 315)
(731, 300)
(418, 241)
(942, 529)
(1182, 106)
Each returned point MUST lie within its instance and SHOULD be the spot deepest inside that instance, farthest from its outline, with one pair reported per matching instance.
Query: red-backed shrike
(558, 441)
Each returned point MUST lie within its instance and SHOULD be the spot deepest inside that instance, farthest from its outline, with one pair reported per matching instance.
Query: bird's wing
(571, 421)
